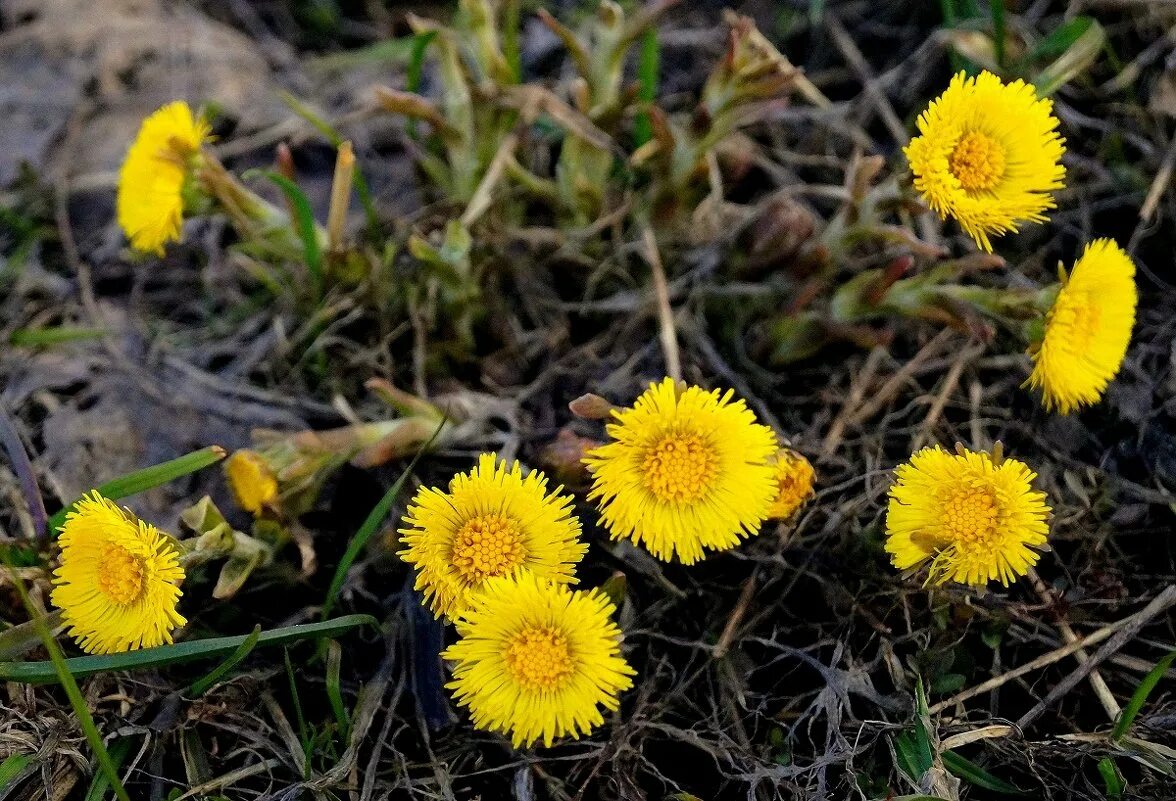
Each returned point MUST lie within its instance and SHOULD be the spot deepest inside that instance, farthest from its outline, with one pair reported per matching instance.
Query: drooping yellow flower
(537, 660)
(1087, 330)
(150, 184)
(252, 482)
(794, 483)
(118, 583)
(988, 154)
(973, 517)
(686, 469)
(493, 521)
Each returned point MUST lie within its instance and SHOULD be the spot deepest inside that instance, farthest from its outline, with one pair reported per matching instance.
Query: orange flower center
(977, 162)
(121, 575)
(486, 546)
(970, 517)
(680, 467)
(538, 658)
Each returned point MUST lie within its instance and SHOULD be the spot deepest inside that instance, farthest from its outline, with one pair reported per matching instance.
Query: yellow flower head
(537, 660)
(151, 182)
(252, 482)
(493, 521)
(988, 154)
(974, 518)
(794, 483)
(686, 469)
(118, 583)
(1087, 330)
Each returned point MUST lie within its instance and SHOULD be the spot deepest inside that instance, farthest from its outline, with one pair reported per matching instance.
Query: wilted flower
(794, 483)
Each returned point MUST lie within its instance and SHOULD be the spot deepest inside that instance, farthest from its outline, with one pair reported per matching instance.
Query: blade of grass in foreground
(1139, 697)
(372, 524)
(58, 669)
(149, 478)
(81, 666)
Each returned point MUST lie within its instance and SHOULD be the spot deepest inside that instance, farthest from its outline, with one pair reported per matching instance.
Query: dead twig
(665, 313)
(1160, 604)
(737, 614)
(1105, 697)
(1130, 624)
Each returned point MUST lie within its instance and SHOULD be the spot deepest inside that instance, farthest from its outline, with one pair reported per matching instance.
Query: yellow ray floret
(251, 480)
(988, 154)
(794, 483)
(686, 470)
(973, 518)
(493, 521)
(1087, 330)
(536, 660)
(118, 583)
(151, 182)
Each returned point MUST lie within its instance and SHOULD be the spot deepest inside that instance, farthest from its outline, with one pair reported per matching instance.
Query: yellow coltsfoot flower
(251, 480)
(536, 660)
(494, 521)
(794, 483)
(118, 583)
(687, 469)
(974, 517)
(988, 154)
(150, 201)
(1087, 330)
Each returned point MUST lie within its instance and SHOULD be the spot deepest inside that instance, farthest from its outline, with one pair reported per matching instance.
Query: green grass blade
(1112, 779)
(997, 9)
(334, 688)
(177, 653)
(59, 668)
(416, 66)
(304, 226)
(1139, 697)
(120, 749)
(148, 478)
(53, 335)
(335, 138)
(648, 65)
(372, 524)
(969, 771)
(303, 731)
(204, 684)
(14, 770)
(1061, 39)
(510, 38)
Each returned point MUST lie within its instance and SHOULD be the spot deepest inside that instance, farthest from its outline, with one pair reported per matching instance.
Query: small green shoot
(1139, 697)
(1112, 779)
(648, 62)
(305, 227)
(334, 689)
